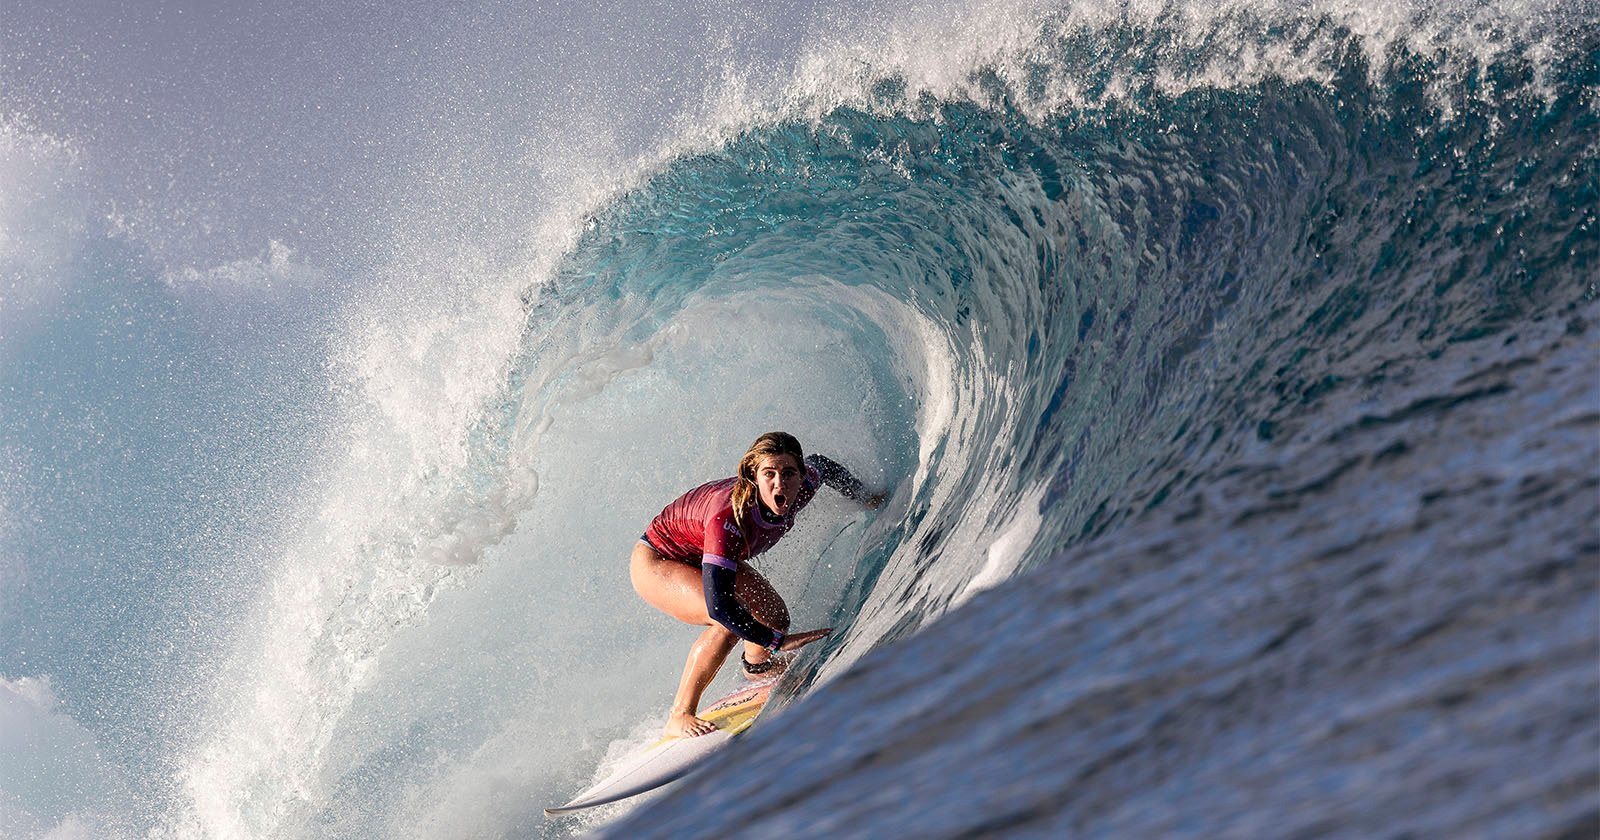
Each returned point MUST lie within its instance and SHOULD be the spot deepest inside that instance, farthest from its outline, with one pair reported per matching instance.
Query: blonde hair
(744, 490)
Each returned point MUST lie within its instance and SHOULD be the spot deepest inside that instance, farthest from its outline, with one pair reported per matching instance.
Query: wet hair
(744, 490)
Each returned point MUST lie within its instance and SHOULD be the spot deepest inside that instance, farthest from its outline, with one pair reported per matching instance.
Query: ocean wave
(1040, 270)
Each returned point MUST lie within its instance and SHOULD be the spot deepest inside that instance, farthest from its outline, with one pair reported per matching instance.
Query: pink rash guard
(699, 527)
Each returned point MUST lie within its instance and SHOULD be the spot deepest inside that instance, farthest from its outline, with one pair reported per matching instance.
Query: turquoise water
(329, 540)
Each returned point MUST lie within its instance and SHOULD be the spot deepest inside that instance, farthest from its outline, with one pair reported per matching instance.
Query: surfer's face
(778, 478)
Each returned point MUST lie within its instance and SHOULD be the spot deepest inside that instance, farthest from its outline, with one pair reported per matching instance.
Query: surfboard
(670, 759)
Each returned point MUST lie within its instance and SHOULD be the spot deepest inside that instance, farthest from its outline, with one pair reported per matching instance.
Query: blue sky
(216, 127)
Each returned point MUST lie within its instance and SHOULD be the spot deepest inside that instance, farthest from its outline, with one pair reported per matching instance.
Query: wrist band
(777, 642)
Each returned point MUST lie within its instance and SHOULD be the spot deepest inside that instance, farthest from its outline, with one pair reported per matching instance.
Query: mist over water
(346, 355)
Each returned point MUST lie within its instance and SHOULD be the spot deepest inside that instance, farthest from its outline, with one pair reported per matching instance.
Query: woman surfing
(693, 563)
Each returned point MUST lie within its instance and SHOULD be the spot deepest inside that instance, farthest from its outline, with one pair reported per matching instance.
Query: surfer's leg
(675, 589)
(671, 587)
(765, 604)
(710, 650)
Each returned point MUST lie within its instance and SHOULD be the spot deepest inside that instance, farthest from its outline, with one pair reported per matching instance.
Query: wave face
(1096, 277)
(1046, 274)
(1149, 308)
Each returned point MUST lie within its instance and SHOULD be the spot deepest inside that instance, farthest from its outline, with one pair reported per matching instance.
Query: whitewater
(1233, 370)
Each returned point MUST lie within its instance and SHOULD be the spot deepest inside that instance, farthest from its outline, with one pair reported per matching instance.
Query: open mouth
(780, 500)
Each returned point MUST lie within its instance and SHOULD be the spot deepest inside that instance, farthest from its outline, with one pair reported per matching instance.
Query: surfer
(693, 563)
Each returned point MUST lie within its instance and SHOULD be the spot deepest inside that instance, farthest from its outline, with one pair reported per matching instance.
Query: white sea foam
(1044, 58)
(1004, 555)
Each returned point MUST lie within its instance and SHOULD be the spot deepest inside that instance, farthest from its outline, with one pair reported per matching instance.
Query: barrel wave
(1231, 367)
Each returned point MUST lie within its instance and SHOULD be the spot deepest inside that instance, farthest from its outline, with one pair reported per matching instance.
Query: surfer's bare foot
(685, 725)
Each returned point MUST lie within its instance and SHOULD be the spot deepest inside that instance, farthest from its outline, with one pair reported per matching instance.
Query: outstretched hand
(796, 641)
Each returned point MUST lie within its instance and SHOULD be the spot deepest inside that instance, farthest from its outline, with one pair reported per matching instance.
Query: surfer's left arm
(719, 583)
(837, 476)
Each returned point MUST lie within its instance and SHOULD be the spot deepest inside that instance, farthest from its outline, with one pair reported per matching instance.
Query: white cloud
(54, 781)
(44, 217)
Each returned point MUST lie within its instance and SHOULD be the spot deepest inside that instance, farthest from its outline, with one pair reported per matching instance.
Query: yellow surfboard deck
(671, 758)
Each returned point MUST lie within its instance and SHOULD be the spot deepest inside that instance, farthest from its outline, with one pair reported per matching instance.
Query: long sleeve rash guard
(698, 528)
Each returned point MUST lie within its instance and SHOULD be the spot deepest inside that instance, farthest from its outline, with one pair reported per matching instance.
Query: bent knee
(780, 622)
(775, 616)
(769, 610)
